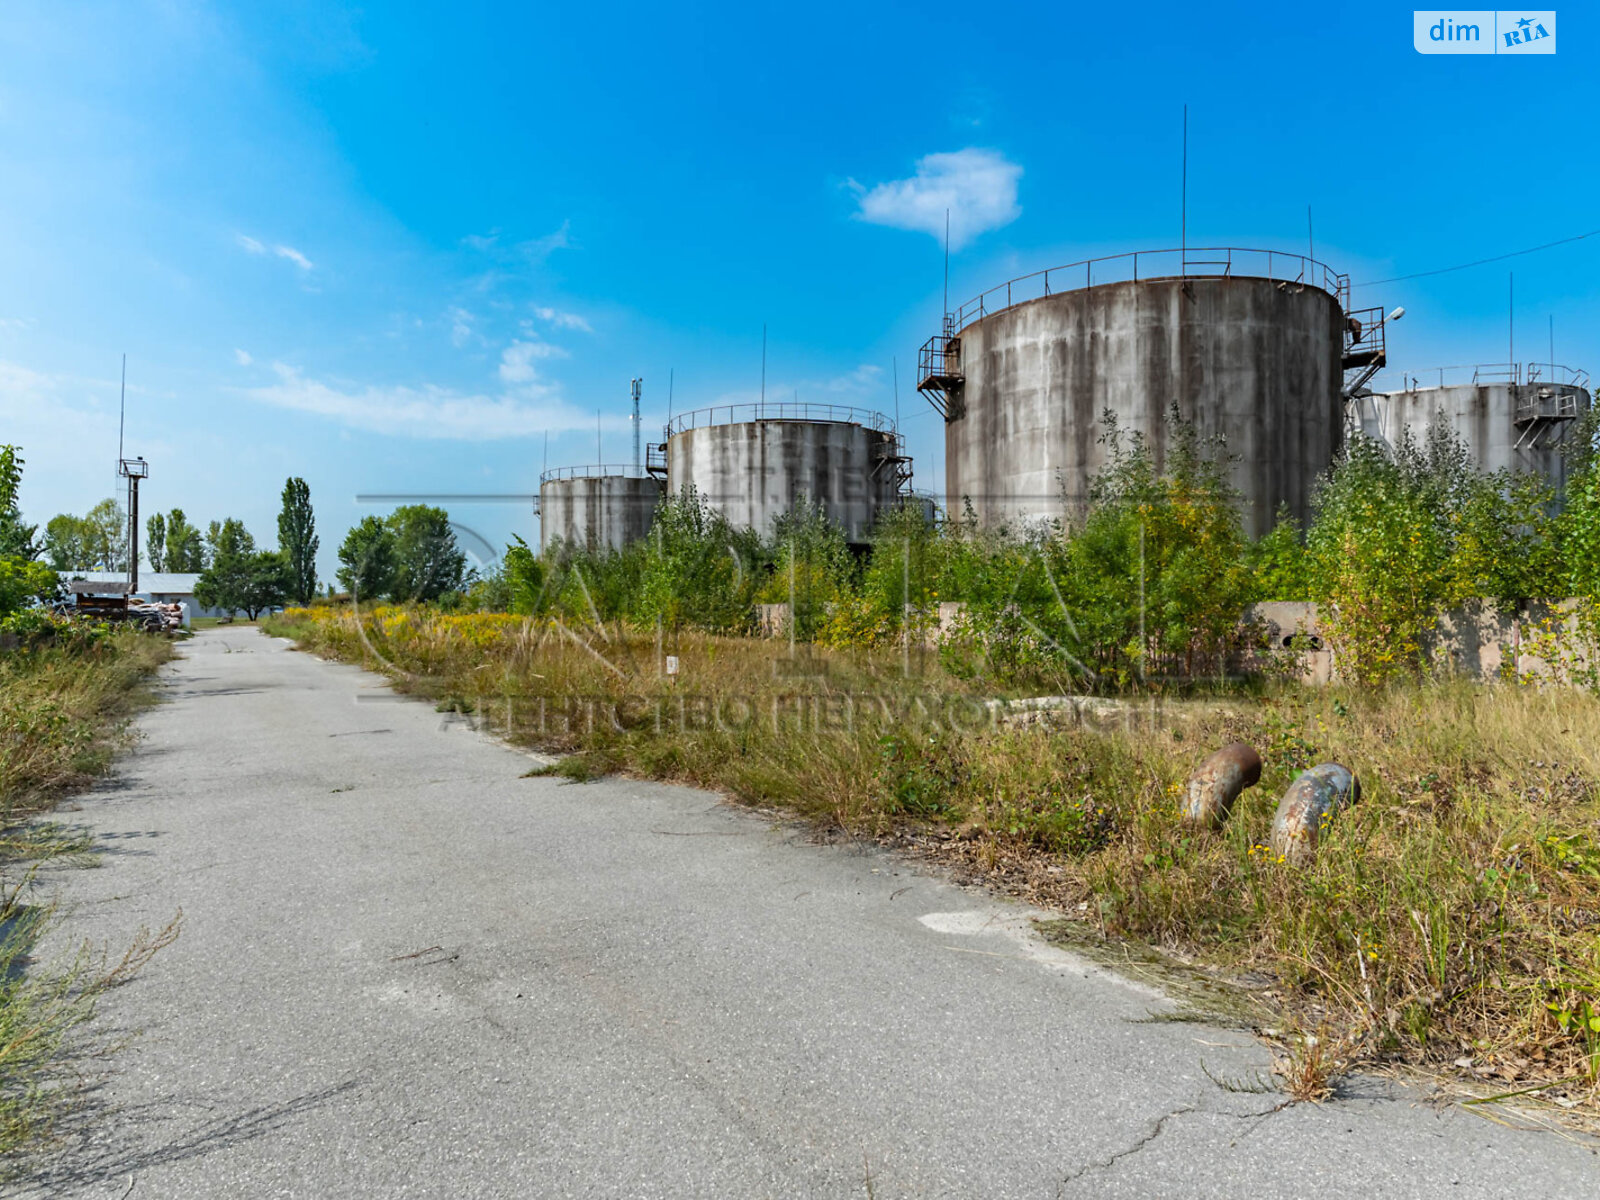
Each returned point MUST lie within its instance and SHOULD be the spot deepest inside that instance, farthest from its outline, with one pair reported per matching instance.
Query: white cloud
(516, 361)
(294, 256)
(15, 324)
(256, 246)
(242, 357)
(423, 412)
(978, 187)
(563, 320)
(481, 241)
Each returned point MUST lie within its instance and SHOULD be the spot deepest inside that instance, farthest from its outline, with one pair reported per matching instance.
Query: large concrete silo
(755, 462)
(1249, 345)
(1510, 417)
(597, 507)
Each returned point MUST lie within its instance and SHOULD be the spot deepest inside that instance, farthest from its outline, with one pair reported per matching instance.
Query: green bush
(24, 582)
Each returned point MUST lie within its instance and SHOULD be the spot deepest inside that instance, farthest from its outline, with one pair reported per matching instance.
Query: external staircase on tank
(1543, 413)
(939, 376)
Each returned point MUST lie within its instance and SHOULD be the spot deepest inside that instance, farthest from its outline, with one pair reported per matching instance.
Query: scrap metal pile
(112, 602)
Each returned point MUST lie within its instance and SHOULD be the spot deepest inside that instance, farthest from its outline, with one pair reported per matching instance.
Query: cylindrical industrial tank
(597, 508)
(1512, 422)
(755, 462)
(1255, 359)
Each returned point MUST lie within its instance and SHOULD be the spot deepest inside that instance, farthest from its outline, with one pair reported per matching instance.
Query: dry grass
(1450, 921)
(63, 713)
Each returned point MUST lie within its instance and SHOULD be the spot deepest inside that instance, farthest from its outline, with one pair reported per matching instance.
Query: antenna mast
(133, 470)
(638, 462)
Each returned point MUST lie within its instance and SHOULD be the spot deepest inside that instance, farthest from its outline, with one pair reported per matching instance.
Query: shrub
(24, 582)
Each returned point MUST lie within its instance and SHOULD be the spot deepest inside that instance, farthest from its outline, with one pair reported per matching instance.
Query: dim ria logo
(1486, 32)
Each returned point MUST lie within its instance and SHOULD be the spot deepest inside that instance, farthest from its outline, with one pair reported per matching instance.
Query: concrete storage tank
(1248, 344)
(599, 507)
(754, 462)
(1510, 416)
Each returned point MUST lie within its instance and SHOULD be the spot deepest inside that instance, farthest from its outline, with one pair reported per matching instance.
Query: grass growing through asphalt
(63, 714)
(1451, 920)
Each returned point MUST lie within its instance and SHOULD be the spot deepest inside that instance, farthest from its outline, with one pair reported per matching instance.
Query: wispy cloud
(426, 412)
(481, 241)
(461, 331)
(517, 359)
(242, 357)
(540, 248)
(863, 378)
(978, 187)
(256, 246)
(563, 320)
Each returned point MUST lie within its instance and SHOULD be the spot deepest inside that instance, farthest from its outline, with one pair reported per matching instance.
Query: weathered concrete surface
(1541, 641)
(1254, 360)
(626, 990)
(597, 512)
(755, 471)
(1484, 417)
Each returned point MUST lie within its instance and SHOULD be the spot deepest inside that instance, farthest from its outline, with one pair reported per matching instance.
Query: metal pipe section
(1309, 807)
(1217, 784)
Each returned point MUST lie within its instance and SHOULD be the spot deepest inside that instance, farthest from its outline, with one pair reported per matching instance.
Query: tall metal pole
(1183, 229)
(763, 363)
(133, 534)
(1311, 238)
(894, 365)
(1511, 321)
(946, 314)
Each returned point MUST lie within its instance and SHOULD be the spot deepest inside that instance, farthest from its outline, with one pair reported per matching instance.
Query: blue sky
(388, 249)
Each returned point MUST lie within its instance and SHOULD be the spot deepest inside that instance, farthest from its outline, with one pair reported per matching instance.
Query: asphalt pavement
(407, 970)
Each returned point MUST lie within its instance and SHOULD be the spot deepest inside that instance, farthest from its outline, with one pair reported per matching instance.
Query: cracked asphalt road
(405, 971)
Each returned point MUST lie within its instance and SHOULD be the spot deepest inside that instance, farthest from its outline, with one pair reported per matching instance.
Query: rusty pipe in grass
(1217, 784)
(1308, 807)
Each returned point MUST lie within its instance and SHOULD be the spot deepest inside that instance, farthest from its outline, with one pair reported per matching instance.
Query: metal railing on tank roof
(1538, 372)
(1476, 373)
(1194, 261)
(627, 470)
(778, 410)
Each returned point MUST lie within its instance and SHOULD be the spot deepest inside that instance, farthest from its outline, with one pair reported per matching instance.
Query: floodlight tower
(133, 470)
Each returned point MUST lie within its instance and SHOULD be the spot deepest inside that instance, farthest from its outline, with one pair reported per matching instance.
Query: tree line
(410, 555)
